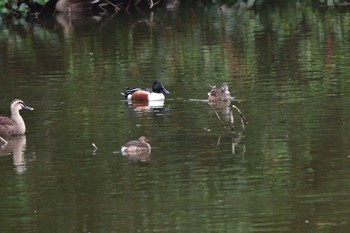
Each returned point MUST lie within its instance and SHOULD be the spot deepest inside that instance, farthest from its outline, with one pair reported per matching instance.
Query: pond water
(287, 171)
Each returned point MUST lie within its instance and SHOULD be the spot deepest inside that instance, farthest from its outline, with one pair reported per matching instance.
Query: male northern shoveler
(139, 146)
(221, 94)
(139, 94)
(14, 125)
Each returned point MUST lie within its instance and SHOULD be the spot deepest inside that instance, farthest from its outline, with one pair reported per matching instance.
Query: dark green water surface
(288, 171)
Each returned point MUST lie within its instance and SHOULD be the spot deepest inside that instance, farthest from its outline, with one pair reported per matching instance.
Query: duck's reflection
(16, 146)
(171, 5)
(146, 106)
(137, 157)
(73, 22)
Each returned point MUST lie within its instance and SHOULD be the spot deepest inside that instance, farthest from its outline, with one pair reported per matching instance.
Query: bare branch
(243, 119)
(3, 141)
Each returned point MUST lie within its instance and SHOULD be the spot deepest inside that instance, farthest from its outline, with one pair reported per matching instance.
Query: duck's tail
(129, 91)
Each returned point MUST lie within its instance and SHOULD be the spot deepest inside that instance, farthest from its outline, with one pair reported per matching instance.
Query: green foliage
(41, 2)
(17, 9)
(12, 8)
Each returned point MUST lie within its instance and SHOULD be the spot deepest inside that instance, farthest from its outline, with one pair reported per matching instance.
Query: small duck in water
(139, 146)
(221, 94)
(14, 125)
(141, 94)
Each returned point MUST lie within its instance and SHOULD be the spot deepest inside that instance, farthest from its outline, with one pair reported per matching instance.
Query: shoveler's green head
(158, 87)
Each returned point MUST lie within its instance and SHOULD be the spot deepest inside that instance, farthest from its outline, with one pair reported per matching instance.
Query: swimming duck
(14, 125)
(221, 94)
(140, 94)
(139, 146)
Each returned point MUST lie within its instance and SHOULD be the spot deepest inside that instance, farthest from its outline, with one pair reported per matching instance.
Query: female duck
(139, 94)
(139, 146)
(14, 125)
(221, 94)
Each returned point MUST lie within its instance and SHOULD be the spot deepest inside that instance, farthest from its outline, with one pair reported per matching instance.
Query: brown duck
(222, 94)
(14, 125)
(137, 146)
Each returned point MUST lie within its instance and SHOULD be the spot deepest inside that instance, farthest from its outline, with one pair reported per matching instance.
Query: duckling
(139, 146)
(14, 125)
(221, 94)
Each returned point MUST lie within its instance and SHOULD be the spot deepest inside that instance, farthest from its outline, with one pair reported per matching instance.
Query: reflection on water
(142, 157)
(76, 21)
(236, 140)
(224, 112)
(285, 171)
(143, 106)
(15, 147)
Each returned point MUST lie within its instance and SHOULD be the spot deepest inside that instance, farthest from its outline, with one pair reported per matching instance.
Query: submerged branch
(231, 119)
(243, 119)
(217, 115)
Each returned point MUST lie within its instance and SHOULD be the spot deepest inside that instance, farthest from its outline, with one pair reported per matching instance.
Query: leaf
(41, 2)
(23, 8)
(4, 10)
